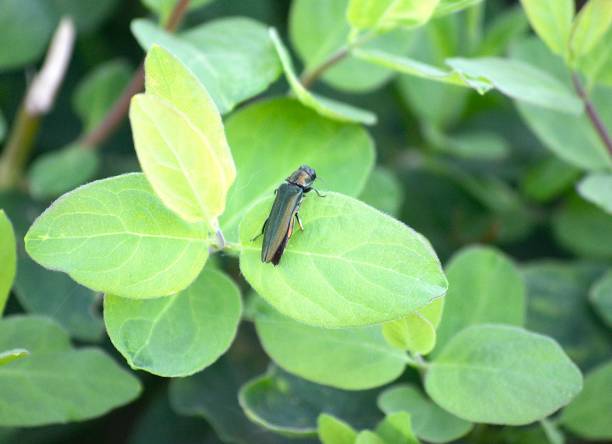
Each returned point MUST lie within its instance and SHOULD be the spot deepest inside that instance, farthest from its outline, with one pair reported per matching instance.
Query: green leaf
(590, 25)
(85, 384)
(520, 81)
(291, 406)
(429, 421)
(332, 430)
(383, 191)
(587, 415)
(180, 142)
(351, 359)
(232, 57)
(446, 7)
(601, 297)
(552, 21)
(597, 63)
(385, 15)
(98, 90)
(558, 307)
(8, 258)
(60, 171)
(318, 29)
(142, 249)
(322, 105)
(213, 395)
(396, 428)
(405, 65)
(351, 266)
(484, 286)
(597, 188)
(569, 137)
(164, 8)
(37, 334)
(21, 47)
(505, 27)
(368, 437)
(549, 179)
(176, 335)
(476, 145)
(415, 332)
(583, 228)
(13, 355)
(60, 298)
(497, 374)
(288, 135)
(87, 16)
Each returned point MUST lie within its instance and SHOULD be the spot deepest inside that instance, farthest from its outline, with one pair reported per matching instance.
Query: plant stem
(18, 147)
(38, 100)
(596, 121)
(120, 108)
(308, 77)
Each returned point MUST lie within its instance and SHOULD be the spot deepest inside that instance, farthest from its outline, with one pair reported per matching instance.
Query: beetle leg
(262, 231)
(318, 194)
(297, 216)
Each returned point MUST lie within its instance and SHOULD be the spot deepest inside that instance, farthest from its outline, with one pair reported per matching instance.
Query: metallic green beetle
(278, 227)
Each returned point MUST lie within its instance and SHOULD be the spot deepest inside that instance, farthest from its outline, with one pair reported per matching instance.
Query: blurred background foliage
(459, 167)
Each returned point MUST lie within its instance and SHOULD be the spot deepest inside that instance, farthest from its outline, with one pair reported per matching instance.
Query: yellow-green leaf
(590, 26)
(384, 15)
(552, 21)
(180, 141)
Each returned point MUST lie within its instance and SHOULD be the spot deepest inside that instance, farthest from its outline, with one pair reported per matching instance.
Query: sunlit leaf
(115, 236)
(332, 430)
(415, 332)
(552, 21)
(590, 25)
(188, 163)
(351, 266)
(385, 15)
(270, 139)
(13, 355)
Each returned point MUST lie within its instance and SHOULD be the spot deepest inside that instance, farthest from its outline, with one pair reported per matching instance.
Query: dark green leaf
(558, 307)
(289, 405)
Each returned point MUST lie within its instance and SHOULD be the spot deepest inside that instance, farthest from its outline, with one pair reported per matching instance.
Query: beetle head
(303, 177)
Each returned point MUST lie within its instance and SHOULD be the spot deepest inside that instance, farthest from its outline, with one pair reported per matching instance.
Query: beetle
(278, 227)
